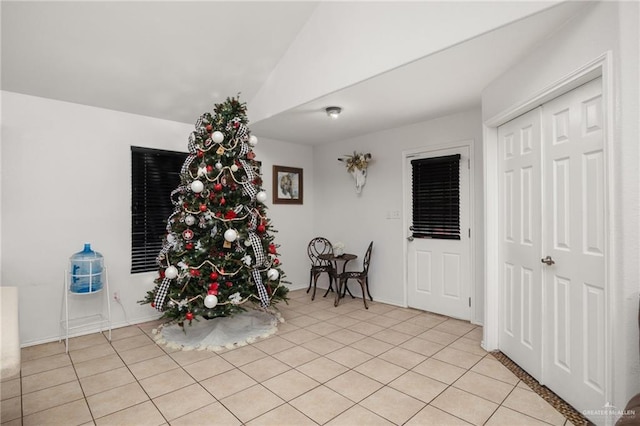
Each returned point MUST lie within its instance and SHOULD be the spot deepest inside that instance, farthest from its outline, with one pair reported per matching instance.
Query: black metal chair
(316, 247)
(361, 276)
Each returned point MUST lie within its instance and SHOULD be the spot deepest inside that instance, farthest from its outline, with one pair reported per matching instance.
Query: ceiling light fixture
(333, 111)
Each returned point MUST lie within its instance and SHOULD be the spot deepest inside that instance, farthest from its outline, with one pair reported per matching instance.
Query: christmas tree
(219, 252)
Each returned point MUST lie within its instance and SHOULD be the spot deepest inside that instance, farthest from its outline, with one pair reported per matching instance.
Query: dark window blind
(154, 175)
(436, 197)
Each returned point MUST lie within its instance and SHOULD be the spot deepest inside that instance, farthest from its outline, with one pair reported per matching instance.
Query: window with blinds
(154, 175)
(436, 197)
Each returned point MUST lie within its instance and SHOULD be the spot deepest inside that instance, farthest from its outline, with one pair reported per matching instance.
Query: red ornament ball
(209, 168)
(209, 128)
(214, 292)
(229, 284)
(153, 304)
(261, 229)
(223, 201)
(276, 261)
(272, 248)
(195, 273)
(217, 187)
(200, 153)
(213, 276)
(189, 246)
(189, 316)
(203, 207)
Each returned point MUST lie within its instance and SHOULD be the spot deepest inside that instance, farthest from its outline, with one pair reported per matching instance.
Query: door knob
(410, 238)
(548, 260)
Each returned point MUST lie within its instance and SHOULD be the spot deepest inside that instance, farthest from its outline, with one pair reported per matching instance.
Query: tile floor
(326, 365)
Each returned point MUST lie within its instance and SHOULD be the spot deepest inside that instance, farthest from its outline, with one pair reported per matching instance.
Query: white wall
(342, 215)
(607, 27)
(66, 180)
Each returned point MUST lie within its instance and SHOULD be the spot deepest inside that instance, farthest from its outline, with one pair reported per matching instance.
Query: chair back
(367, 259)
(316, 247)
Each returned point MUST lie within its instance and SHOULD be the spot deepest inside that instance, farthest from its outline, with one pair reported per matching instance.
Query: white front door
(439, 270)
(520, 242)
(552, 283)
(574, 237)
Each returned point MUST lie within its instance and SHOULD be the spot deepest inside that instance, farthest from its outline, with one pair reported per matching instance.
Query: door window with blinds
(436, 197)
(154, 175)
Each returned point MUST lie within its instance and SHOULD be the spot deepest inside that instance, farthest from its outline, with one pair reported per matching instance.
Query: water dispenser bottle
(86, 271)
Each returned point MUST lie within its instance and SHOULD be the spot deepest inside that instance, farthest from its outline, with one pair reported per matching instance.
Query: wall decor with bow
(357, 166)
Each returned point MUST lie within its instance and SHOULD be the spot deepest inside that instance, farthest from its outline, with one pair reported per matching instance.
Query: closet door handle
(548, 260)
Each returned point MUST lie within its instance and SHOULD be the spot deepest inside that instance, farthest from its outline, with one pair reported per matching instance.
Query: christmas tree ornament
(261, 229)
(230, 235)
(217, 187)
(203, 207)
(234, 168)
(253, 141)
(261, 196)
(189, 220)
(171, 238)
(188, 316)
(247, 243)
(213, 276)
(210, 301)
(218, 165)
(187, 234)
(189, 246)
(171, 272)
(217, 136)
(273, 274)
(197, 186)
(209, 128)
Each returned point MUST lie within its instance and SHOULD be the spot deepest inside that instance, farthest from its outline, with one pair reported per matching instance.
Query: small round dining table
(334, 259)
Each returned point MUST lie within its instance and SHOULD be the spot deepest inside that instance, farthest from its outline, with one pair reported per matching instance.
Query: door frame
(599, 67)
(406, 217)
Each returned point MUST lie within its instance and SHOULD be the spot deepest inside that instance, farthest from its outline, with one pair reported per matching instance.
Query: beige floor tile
(380, 370)
(422, 346)
(475, 335)
(296, 356)
(322, 315)
(358, 415)
(48, 378)
(380, 308)
(72, 413)
(393, 405)
(116, 399)
(323, 345)
(185, 358)
(16, 422)
(402, 357)
(98, 365)
(322, 369)
(38, 365)
(324, 328)
(402, 313)
(141, 353)
(491, 367)
(10, 388)
(300, 336)
(418, 386)
(321, 404)
(533, 405)
(126, 332)
(439, 370)
(150, 367)
(483, 386)
(372, 346)
(464, 405)
(362, 315)
(132, 342)
(290, 384)
(468, 345)
(243, 355)
(101, 382)
(40, 351)
(366, 328)
(349, 356)
(301, 321)
(456, 357)
(265, 368)
(10, 409)
(144, 414)
(166, 382)
(208, 367)
(286, 327)
(212, 414)
(354, 385)
(430, 415)
(273, 344)
(426, 321)
(408, 328)
(284, 415)
(51, 397)
(386, 322)
(455, 327)
(392, 337)
(87, 341)
(252, 402)
(346, 337)
(437, 336)
(91, 352)
(506, 416)
(227, 383)
(183, 401)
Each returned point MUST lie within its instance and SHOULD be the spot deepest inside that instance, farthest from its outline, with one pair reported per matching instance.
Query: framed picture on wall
(287, 185)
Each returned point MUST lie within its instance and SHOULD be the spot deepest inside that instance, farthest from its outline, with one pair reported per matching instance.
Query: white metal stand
(103, 319)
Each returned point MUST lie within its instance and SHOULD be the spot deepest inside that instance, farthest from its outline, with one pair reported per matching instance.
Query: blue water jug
(86, 271)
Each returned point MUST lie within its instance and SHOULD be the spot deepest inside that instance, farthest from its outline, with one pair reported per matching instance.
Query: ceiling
(173, 60)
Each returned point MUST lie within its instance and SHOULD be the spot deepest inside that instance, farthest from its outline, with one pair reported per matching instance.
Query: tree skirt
(220, 333)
